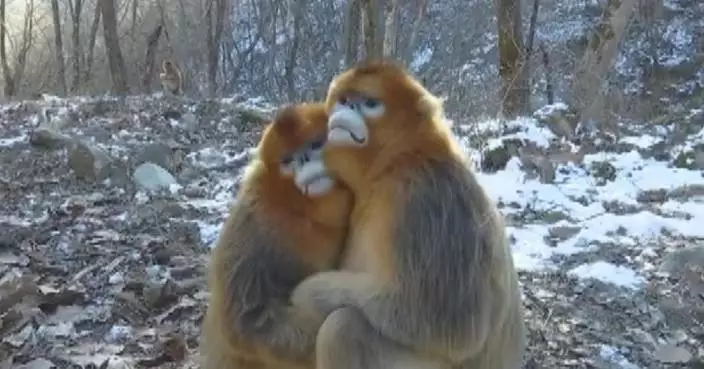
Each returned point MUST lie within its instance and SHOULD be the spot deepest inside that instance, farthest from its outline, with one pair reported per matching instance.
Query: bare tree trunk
(298, 14)
(116, 62)
(514, 90)
(530, 42)
(27, 41)
(599, 57)
(59, 44)
(91, 42)
(351, 34)
(373, 28)
(135, 7)
(549, 89)
(150, 59)
(420, 16)
(215, 19)
(76, 10)
(393, 18)
(9, 87)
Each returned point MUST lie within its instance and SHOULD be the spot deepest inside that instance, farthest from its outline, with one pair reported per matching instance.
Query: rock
(495, 159)
(670, 353)
(251, 118)
(559, 118)
(691, 159)
(659, 195)
(158, 295)
(158, 153)
(658, 151)
(686, 192)
(190, 120)
(171, 114)
(680, 260)
(546, 170)
(152, 177)
(47, 134)
(562, 233)
(619, 208)
(534, 161)
(699, 160)
(88, 162)
(45, 137)
(603, 171)
(37, 364)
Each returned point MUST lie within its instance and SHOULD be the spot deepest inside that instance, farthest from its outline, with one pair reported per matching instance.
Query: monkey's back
(268, 244)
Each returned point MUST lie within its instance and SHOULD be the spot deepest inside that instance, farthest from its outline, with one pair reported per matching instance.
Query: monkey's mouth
(318, 185)
(339, 129)
(312, 179)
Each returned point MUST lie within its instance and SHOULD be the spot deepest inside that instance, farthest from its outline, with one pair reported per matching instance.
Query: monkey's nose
(303, 158)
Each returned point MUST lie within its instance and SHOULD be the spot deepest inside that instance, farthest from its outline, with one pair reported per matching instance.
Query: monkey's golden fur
(170, 77)
(274, 237)
(428, 279)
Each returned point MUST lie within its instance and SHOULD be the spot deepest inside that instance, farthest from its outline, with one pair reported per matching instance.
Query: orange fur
(427, 278)
(312, 228)
(398, 146)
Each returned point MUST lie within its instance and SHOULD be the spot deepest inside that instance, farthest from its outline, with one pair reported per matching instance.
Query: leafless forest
(539, 52)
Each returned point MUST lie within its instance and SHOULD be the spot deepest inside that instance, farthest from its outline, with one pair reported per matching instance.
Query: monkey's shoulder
(444, 204)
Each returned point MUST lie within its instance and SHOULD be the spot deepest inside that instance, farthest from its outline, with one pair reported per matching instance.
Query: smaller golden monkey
(170, 77)
(274, 237)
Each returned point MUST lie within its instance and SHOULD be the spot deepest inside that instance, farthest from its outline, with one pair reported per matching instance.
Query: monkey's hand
(323, 293)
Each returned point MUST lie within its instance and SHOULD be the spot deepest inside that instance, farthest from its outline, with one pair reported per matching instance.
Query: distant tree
(76, 7)
(298, 12)
(13, 76)
(118, 72)
(415, 28)
(352, 23)
(215, 19)
(514, 91)
(373, 28)
(393, 18)
(599, 57)
(59, 47)
(91, 43)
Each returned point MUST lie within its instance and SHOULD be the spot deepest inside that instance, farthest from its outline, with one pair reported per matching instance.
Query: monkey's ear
(430, 107)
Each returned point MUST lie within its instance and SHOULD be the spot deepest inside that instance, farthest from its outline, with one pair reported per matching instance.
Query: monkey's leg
(346, 340)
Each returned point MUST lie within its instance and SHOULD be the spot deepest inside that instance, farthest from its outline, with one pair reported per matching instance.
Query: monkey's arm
(260, 286)
(253, 276)
(451, 275)
(324, 292)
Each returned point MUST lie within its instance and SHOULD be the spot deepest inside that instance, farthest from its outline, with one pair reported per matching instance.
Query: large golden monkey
(429, 280)
(274, 237)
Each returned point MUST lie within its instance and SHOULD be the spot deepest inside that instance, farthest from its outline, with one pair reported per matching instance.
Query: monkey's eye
(371, 107)
(370, 103)
(343, 100)
(287, 160)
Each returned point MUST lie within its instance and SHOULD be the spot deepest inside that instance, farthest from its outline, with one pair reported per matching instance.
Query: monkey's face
(306, 167)
(292, 146)
(373, 105)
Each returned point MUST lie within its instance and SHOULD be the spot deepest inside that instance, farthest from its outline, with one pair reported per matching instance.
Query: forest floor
(109, 208)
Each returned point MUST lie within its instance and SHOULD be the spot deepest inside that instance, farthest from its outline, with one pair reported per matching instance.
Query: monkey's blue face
(306, 167)
(347, 125)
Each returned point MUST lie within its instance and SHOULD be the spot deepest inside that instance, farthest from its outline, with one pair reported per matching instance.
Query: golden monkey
(428, 280)
(274, 237)
(170, 77)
